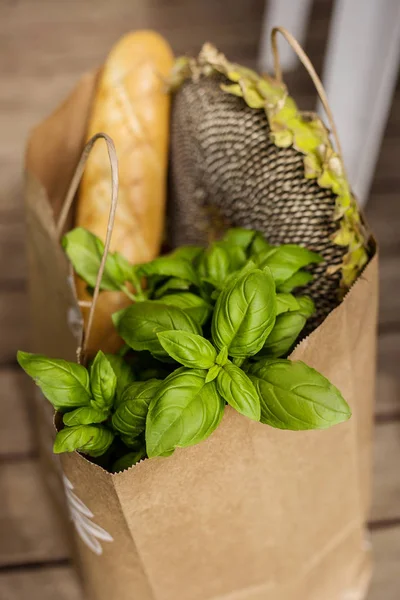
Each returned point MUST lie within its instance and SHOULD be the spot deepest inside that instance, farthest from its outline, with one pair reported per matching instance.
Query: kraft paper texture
(252, 513)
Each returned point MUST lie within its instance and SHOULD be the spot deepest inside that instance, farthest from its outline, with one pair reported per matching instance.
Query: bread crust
(131, 105)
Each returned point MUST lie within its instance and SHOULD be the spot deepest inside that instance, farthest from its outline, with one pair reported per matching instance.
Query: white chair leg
(359, 76)
(292, 14)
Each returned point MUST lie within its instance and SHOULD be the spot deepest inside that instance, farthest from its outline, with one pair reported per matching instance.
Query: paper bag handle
(112, 154)
(306, 62)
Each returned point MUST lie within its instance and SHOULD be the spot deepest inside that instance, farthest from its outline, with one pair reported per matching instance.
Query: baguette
(131, 105)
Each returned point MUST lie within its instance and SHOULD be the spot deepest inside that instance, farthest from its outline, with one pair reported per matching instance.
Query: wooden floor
(44, 46)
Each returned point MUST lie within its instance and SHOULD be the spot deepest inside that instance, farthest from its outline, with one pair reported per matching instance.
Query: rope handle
(306, 62)
(112, 155)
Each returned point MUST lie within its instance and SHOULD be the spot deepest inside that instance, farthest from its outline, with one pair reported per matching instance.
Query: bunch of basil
(207, 327)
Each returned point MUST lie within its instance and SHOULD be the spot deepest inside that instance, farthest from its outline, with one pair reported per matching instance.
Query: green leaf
(119, 268)
(282, 338)
(295, 396)
(136, 444)
(175, 283)
(170, 266)
(86, 415)
(103, 382)
(306, 306)
(238, 236)
(131, 442)
(237, 256)
(259, 245)
(214, 295)
(238, 361)
(189, 349)
(297, 280)
(212, 373)
(139, 324)
(93, 440)
(124, 374)
(285, 303)
(236, 388)
(245, 314)
(184, 412)
(193, 305)
(219, 261)
(222, 357)
(187, 252)
(130, 417)
(285, 260)
(64, 384)
(249, 266)
(214, 266)
(129, 460)
(85, 251)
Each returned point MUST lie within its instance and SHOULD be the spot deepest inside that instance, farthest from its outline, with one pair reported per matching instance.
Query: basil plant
(207, 328)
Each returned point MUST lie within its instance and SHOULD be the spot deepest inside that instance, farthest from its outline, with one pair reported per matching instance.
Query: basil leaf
(222, 357)
(212, 373)
(120, 268)
(238, 236)
(86, 415)
(169, 266)
(193, 305)
(124, 374)
(214, 294)
(284, 334)
(175, 283)
(136, 444)
(131, 442)
(64, 384)
(285, 303)
(238, 361)
(237, 256)
(103, 382)
(245, 314)
(295, 396)
(214, 266)
(189, 349)
(93, 440)
(139, 324)
(259, 245)
(306, 306)
(219, 261)
(184, 412)
(207, 291)
(128, 460)
(238, 391)
(249, 266)
(285, 260)
(297, 280)
(85, 251)
(130, 416)
(187, 252)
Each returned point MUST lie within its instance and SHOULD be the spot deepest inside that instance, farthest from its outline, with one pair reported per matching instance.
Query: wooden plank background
(45, 45)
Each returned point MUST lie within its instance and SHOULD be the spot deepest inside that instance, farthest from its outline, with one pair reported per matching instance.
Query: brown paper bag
(252, 513)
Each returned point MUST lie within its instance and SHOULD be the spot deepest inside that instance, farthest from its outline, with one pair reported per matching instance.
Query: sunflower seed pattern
(226, 171)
